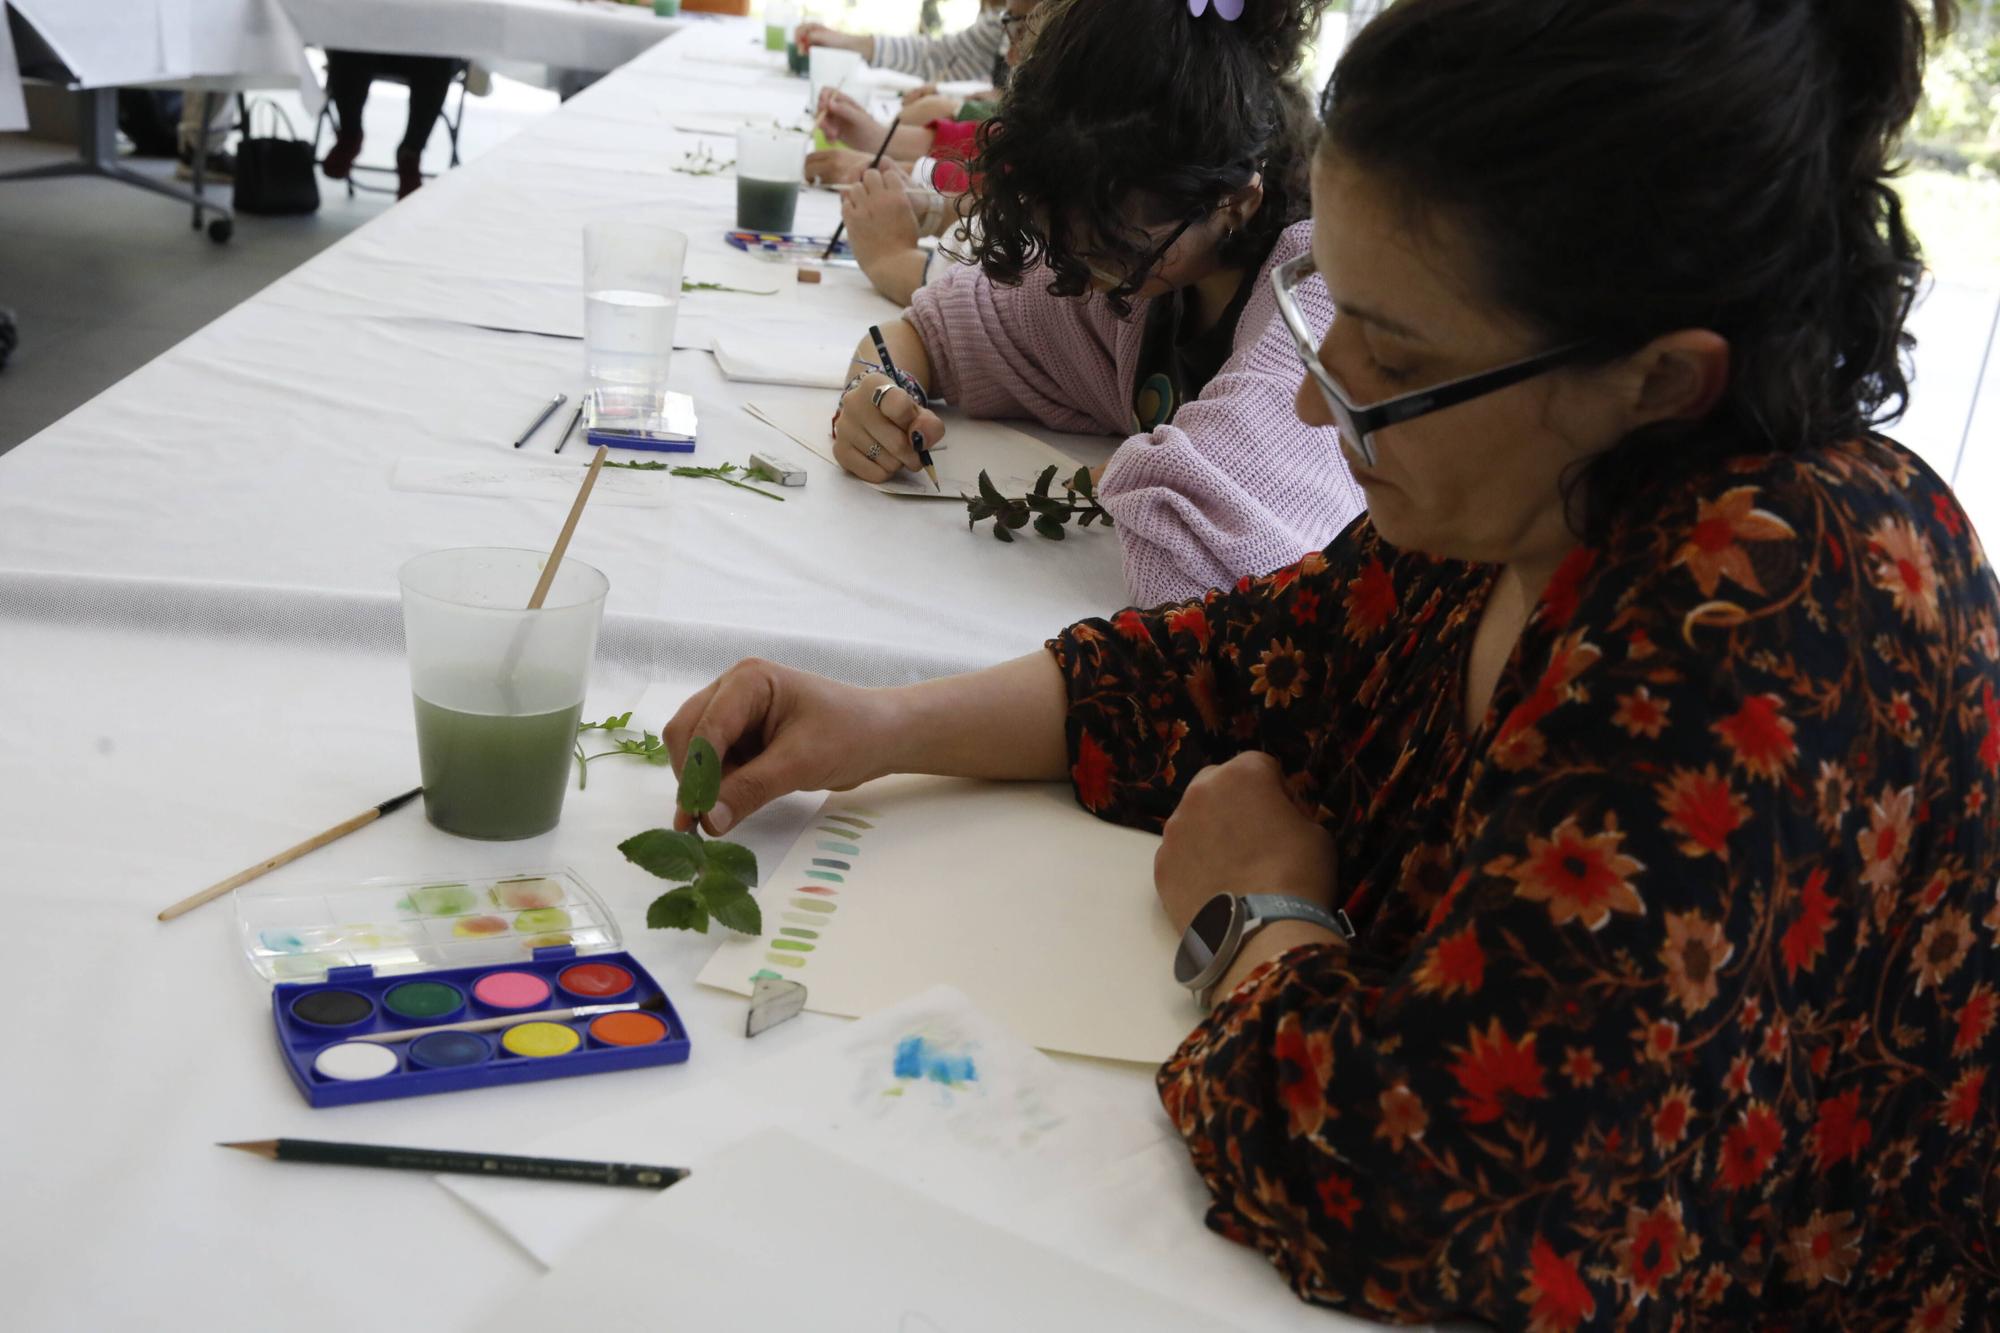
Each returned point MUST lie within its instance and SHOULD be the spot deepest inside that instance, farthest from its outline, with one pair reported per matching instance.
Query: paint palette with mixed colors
(403, 925)
(397, 989)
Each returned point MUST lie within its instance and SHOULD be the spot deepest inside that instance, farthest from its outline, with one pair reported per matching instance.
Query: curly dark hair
(1630, 167)
(1135, 113)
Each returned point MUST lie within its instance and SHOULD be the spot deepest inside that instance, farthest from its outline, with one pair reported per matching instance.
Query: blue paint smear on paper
(919, 1059)
(832, 864)
(845, 848)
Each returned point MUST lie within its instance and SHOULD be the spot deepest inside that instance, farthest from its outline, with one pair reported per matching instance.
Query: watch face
(1204, 938)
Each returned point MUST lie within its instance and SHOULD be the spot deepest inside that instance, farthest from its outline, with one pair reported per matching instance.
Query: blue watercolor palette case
(395, 959)
(786, 245)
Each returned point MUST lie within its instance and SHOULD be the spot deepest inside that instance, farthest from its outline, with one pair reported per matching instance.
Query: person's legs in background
(429, 78)
(348, 74)
(209, 138)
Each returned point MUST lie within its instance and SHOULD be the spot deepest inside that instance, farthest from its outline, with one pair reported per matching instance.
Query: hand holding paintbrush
(874, 162)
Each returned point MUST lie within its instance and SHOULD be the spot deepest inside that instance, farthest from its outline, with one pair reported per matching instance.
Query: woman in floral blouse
(1647, 729)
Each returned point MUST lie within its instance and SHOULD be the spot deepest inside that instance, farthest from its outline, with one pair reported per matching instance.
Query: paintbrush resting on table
(291, 854)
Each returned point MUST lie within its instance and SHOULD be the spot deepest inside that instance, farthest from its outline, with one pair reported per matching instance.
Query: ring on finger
(881, 392)
(874, 451)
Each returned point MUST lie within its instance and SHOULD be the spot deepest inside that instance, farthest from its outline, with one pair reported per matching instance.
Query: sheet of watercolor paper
(1012, 458)
(774, 1233)
(1042, 914)
(759, 358)
(930, 1090)
(530, 481)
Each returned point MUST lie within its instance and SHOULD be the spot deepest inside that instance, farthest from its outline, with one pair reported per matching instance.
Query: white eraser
(787, 471)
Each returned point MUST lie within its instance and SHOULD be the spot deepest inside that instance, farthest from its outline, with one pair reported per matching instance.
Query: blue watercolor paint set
(401, 988)
(792, 247)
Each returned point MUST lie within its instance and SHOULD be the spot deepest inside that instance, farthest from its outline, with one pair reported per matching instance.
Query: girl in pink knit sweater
(1146, 171)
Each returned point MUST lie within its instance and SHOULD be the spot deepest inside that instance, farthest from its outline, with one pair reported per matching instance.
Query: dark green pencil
(626, 1174)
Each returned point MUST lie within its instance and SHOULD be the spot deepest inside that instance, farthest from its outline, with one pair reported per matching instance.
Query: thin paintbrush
(654, 1005)
(916, 436)
(321, 1153)
(873, 163)
(290, 854)
(554, 403)
(570, 429)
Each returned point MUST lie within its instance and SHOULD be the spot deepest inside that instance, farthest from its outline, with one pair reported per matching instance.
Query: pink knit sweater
(1234, 486)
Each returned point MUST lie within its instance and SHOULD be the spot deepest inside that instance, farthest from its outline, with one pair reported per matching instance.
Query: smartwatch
(1216, 935)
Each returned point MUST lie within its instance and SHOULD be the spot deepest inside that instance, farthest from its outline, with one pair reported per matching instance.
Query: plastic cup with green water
(780, 19)
(498, 688)
(770, 167)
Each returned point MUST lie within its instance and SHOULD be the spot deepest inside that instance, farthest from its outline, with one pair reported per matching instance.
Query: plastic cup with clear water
(770, 165)
(631, 298)
(497, 688)
(831, 67)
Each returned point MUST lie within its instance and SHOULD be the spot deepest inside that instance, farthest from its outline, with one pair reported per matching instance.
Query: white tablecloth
(593, 35)
(258, 452)
(200, 663)
(125, 43)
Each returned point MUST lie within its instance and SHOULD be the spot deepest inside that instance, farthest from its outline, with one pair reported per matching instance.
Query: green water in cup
(797, 60)
(775, 37)
(766, 205)
(493, 776)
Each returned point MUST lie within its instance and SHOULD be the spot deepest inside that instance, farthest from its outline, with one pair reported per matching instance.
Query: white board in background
(1011, 458)
(775, 1233)
(757, 358)
(1044, 915)
(555, 481)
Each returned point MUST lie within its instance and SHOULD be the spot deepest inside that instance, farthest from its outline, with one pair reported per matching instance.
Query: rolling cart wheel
(221, 229)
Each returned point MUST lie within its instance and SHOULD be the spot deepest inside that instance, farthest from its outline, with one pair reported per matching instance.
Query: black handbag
(274, 176)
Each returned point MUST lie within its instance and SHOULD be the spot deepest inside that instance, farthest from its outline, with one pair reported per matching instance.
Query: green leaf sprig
(714, 876)
(702, 162)
(690, 285)
(1049, 513)
(648, 747)
(728, 472)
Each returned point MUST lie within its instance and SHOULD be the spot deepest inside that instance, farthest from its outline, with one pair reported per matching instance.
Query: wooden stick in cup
(314, 843)
(568, 528)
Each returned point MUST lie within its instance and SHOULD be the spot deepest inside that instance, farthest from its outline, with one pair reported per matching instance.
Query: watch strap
(1260, 910)
(1268, 907)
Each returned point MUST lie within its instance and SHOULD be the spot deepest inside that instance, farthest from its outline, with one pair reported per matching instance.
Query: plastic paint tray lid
(418, 925)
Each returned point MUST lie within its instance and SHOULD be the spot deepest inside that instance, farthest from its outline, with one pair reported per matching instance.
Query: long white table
(200, 662)
(591, 35)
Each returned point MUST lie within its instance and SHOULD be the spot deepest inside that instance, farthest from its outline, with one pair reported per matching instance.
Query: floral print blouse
(1674, 997)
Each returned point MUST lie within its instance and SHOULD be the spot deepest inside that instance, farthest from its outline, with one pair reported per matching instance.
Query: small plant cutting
(1050, 513)
(648, 747)
(728, 472)
(714, 876)
(690, 285)
(702, 162)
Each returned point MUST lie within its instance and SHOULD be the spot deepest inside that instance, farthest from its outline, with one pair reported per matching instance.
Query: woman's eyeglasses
(1133, 281)
(1358, 423)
